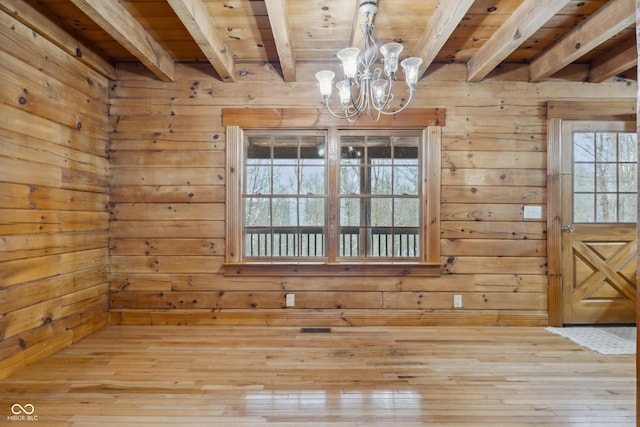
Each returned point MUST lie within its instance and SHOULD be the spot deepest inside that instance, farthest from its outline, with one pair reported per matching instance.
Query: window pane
(350, 179)
(349, 151)
(406, 243)
(257, 212)
(349, 211)
(285, 242)
(606, 177)
(406, 152)
(628, 180)
(258, 179)
(606, 208)
(381, 180)
(379, 155)
(257, 242)
(381, 212)
(285, 150)
(405, 180)
(627, 208)
(312, 147)
(381, 243)
(311, 212)
(406, 212)
(349, 241)
(285, 179)
(312, 242)
(285, 212)
(606, 147)
(583, 208)
(628, 147)
(583, 147)
(258, 148)
(312, 180)
(584, 177)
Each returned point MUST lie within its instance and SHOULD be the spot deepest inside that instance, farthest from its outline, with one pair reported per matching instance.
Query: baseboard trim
(50, 345)
(327, 318)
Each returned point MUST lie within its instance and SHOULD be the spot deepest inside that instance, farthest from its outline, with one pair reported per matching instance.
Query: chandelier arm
(365, 95)
(371, 115)
(370, 50)
(347, 115)
(406, 104)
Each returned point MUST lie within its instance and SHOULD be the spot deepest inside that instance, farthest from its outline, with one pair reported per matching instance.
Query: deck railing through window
(354, 242)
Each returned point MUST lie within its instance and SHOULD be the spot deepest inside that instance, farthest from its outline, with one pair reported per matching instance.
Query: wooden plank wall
(53, 197)
(167, 205)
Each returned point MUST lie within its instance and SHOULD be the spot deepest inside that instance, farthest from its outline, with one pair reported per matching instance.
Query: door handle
(569, 228)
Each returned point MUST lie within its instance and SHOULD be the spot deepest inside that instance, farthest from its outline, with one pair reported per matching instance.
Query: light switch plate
(532, 212)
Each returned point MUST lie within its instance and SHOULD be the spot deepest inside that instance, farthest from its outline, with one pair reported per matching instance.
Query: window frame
(428, 121)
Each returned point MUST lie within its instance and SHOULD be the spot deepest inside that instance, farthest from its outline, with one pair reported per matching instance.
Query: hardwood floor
(351, 377)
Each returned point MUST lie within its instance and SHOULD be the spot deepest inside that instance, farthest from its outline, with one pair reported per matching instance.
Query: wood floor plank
(350, 377)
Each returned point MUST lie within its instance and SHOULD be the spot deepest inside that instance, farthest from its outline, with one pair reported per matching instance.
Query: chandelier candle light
(364, 89)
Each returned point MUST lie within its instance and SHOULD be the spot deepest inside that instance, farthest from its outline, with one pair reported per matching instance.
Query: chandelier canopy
(364, 88)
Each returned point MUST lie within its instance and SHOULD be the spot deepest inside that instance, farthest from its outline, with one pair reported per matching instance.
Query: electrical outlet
(290, 300)
(457, 301)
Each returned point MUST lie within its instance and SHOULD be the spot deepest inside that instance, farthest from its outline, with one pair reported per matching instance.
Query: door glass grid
(604, 177)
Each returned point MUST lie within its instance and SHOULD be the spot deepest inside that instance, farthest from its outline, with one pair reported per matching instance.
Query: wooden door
(599, 215)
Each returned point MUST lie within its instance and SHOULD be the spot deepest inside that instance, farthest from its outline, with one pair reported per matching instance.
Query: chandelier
(363, 88)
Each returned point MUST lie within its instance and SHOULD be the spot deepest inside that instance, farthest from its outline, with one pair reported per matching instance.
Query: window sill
(322, 269)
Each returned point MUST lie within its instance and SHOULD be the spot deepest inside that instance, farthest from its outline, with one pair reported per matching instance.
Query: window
(286, 191)
(604, 177)
(379, 195)
(332, 201)
(285, 194)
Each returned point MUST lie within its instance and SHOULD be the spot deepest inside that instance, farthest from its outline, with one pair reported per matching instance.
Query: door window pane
(584, 177)
(584, 207)
(584, 147)
(606, 208)
(628, 147)
(606, 147)
(628, 207)
(604, 177)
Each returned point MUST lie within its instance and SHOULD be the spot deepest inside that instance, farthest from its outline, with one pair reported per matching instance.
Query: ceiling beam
(278, 17)
(443, 22)
(113, 18)
(521, 25)
(619, 60)
(196, 19)
(36, 20)
(610, 19)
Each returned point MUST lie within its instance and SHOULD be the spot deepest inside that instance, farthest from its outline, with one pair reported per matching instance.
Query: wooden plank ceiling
(545, 36)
